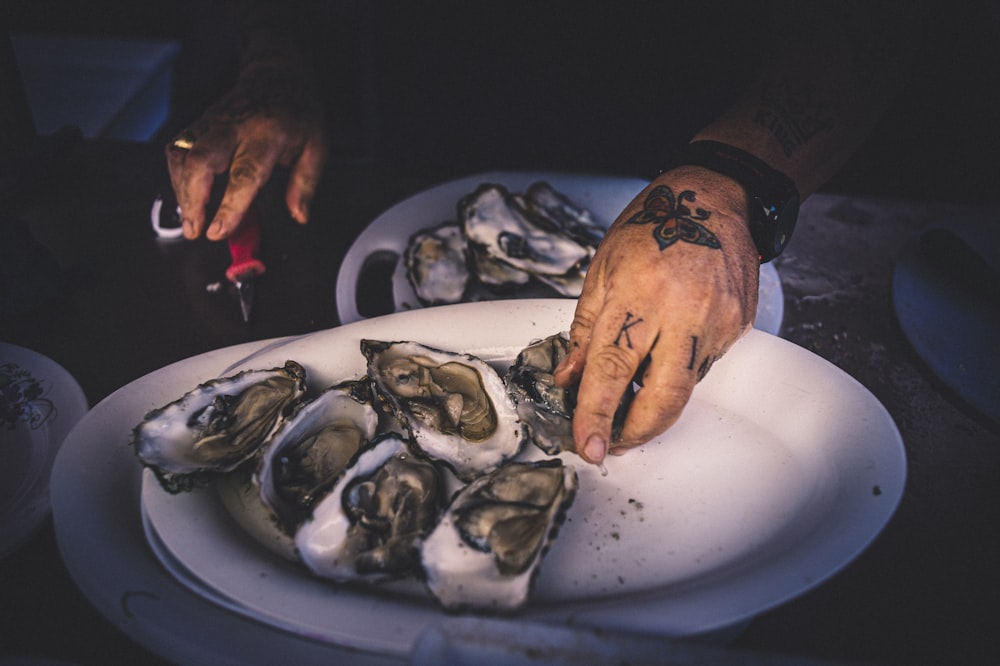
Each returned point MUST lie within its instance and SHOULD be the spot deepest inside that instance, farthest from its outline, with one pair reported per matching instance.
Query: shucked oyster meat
(454, 406)
(496, 223)
(436, 264)
(545, 408)
(215, 427)
(312, 448)
(370, 526)
(570, 219)
(488, 547)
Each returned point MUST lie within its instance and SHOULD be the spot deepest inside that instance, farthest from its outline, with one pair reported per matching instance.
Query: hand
(270, 117)
(675, 280)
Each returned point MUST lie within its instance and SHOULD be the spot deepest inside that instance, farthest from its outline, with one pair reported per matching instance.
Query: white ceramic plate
(39, 404)
(389, 234)
(781, 470)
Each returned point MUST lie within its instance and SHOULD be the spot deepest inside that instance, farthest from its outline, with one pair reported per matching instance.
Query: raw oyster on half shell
(499, 226)
(436, 264)
(370, 526)
(311, 449)
(455, 406)
(545, 408)
(486, 551)
(572, 220)
(218, 425)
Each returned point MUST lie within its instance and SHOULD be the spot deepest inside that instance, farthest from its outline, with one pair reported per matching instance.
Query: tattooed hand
(271, 117)
(674, 281)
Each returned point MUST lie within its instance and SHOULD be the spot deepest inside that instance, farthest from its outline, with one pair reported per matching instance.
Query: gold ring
(183, 142)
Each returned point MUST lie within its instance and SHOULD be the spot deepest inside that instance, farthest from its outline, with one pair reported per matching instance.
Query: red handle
(244, 244)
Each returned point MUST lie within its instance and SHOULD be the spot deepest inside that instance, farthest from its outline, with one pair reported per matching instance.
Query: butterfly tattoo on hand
(674, 220)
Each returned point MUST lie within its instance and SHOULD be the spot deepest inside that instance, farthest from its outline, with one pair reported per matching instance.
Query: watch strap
(773, 197)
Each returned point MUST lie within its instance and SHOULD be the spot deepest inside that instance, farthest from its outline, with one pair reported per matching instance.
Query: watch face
(787, 216)
(773, 229)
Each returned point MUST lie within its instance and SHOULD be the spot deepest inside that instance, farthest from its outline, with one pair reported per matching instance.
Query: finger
(675, 363)
(304, 179)
(570, 369)
(621, 341)
(192, 198)
(194, 158)
(588, 307)
(191, 181)
(251, 167)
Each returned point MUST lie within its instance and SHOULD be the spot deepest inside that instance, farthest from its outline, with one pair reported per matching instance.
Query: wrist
(772, 200)
(715, 200)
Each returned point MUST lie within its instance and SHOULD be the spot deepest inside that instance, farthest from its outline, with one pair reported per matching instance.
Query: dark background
(606, 87)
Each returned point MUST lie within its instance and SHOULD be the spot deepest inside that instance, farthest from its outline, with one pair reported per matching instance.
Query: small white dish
(39, 404)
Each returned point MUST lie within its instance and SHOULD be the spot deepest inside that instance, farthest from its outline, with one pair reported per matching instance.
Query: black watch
(774, 200)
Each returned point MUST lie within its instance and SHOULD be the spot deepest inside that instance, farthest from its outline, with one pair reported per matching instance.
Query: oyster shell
(369, 527)
(311, 449)
(215, 427)
(486, 551)
(497, 223)
(545, 408)
(455, 406)
(493, 272)
(501, 242)
(436, 264)
(576, 222)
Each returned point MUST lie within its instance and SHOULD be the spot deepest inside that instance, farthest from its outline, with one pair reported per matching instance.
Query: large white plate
(781, 470)
(389, 234)
(40, 402)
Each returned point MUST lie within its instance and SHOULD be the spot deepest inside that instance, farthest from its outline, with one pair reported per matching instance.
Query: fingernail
(595, 448)
(216, 228)
(188, 225)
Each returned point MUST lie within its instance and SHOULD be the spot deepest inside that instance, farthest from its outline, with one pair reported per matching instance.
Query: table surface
(111, 303)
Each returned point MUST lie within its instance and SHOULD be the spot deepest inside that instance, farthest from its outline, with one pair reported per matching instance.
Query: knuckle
(306, 182)
(673, 397)
(583, 320)
(613, 364)
(244, 172)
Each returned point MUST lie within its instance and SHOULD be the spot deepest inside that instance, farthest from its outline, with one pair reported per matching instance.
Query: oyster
(502, 241)
(369, 527)
(455, 406)
(487, 548)
(215, 427)
(576, 222)
(499, 225)
(312, 448)
(494, 272)
(436, 264)
(545, 408)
